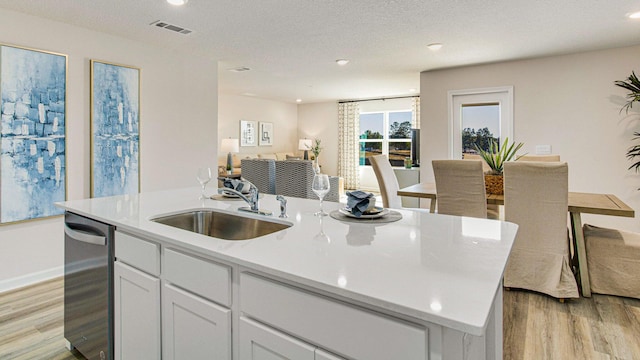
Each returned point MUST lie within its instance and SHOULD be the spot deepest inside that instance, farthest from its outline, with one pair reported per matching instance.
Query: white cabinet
(323, 355)
(193, 328)
(137, 314)
(333, 325)
(259, 342)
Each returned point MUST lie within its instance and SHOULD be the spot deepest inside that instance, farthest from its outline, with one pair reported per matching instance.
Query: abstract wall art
(248, 133)
(266, 133)
(33, 133)
(115, 129)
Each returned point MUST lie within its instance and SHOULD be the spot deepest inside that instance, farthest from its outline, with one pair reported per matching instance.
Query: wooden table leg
(432, 206)
(583, 271)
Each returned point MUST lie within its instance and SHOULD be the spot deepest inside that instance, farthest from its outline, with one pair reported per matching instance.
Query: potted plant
(495, 157)
(315, 150)
(633, 85)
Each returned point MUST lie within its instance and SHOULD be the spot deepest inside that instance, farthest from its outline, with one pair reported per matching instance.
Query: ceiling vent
(175, 28)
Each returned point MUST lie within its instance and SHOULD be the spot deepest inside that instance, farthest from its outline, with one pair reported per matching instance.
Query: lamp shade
(304, 144)
(230, 146)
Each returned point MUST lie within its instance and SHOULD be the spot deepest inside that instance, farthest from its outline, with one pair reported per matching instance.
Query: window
(480, 125)
(386, 132)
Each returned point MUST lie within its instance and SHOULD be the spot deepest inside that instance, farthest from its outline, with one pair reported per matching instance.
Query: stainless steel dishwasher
(88, 286)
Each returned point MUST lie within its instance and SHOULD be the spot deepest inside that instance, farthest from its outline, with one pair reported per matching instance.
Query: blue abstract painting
(115, 120)
(32, 151)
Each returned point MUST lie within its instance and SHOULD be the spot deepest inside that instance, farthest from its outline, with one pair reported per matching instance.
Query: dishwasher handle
(85, 237)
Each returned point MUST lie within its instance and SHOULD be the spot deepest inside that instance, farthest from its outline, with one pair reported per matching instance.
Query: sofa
(287, 178)
(237, 159)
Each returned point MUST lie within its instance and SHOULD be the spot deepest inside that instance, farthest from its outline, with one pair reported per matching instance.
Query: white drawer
(141, 254)
(203, 277)
(345, 329)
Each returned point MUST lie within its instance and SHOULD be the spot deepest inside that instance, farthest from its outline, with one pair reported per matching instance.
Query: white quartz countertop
(438, 268)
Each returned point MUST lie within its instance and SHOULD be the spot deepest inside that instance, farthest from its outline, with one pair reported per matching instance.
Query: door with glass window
(479, 117)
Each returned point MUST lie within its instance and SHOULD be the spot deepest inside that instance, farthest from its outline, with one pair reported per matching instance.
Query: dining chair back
(485, 166)
(536, 198)
(387, 181)
(460, 187)
(542, 158)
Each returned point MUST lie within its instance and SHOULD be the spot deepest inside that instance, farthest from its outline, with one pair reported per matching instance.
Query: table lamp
(305, 144)
(229, 146)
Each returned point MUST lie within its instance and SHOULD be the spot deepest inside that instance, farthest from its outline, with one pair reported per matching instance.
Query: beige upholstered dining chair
(387, 181)
(536, 198)
(460, 187)
(613, 260)
(542, 158)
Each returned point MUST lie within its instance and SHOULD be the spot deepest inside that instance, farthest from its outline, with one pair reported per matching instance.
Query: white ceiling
(291, 45)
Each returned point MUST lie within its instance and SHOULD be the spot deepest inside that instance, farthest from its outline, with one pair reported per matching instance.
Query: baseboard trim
(30, 279)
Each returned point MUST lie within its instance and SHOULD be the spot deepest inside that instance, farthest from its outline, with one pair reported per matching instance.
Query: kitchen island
(425, 287)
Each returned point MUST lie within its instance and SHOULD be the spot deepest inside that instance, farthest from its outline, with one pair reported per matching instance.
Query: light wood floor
(535, 326)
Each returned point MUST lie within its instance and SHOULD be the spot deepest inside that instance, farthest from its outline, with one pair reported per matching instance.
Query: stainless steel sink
(222, 225)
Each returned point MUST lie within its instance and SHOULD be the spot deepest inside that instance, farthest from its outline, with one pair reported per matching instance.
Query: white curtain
(415, 112)
(349, 147)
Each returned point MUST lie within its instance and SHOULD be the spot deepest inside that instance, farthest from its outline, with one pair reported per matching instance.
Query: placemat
(391, 217)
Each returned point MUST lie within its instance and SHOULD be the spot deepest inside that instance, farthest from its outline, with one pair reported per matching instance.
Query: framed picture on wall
(248, 133)
(266, 133)
(33, 176)
(115, 129)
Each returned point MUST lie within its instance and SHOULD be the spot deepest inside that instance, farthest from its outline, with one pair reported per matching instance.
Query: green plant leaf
(495, 157)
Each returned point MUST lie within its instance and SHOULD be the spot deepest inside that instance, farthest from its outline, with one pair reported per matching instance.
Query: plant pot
(494, 184)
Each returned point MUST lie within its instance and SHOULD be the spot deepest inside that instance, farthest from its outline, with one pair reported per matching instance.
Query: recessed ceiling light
(177, 2)
(635, 15)
(434, 46)
(342, 62)
(298, 100)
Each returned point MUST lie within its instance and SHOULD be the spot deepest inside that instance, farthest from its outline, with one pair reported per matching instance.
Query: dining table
(579, 203)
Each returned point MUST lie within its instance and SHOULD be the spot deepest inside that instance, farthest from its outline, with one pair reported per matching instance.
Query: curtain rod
(383, 99)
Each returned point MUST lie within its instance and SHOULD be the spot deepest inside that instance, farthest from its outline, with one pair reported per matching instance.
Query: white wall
(233, 108)
(568, 102)
(178, 128)
(320, 121)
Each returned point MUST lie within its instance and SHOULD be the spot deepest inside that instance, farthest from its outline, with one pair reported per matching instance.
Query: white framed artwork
(266, 134)
(248, 133)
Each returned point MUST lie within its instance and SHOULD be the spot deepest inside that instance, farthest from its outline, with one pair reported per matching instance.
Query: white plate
(377, 215)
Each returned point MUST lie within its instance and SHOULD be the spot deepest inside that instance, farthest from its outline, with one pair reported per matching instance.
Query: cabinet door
(259, 342)
(137, 314)
(323, 355)
(194, 328)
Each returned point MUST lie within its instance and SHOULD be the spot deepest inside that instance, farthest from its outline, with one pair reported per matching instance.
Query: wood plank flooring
(535, 326)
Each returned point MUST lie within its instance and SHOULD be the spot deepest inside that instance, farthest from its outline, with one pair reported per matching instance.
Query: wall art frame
(33, 165)
(266, 133)
(248, 133)
(115, 129)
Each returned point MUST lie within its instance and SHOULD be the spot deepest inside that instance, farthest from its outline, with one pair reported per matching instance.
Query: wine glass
(321, 187)
(204, 176)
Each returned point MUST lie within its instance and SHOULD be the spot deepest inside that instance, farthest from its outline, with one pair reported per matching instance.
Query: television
(415, 147)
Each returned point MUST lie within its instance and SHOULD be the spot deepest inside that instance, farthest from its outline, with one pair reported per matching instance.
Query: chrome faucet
(252, 199)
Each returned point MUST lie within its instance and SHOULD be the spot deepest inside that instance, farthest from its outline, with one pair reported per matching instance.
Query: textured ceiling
(291, 45)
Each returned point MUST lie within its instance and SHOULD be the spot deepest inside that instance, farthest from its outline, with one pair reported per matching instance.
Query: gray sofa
(287, 178)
